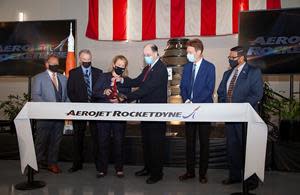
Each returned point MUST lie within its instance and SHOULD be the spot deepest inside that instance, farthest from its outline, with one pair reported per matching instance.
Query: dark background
(275, 23)
(42, 35)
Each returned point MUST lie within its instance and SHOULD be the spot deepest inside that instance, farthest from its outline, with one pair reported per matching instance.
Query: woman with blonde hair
(107, 91)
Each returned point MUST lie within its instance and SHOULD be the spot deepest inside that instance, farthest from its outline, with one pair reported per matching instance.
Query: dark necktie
(231, 86)
(88, 84)
(147, 70)
(192, 82)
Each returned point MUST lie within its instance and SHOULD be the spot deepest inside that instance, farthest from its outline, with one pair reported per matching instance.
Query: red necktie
(147, 70)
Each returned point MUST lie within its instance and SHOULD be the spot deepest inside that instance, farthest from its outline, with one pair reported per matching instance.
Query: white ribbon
(234, 112)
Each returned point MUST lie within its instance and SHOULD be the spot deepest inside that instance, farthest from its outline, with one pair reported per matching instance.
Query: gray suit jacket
(42, 89)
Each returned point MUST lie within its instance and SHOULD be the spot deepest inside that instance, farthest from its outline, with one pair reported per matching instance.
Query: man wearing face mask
(80, 86)
(197, 86)
(49, 86)
(240, 84)
(152, 83)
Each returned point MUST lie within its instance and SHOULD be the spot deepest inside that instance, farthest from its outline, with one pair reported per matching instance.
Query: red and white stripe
(151, 19)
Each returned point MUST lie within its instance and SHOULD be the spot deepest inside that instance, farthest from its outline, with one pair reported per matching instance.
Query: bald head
(151, 50)
(151, 46)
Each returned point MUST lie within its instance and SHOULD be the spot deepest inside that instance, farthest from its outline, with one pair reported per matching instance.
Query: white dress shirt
(51, 76)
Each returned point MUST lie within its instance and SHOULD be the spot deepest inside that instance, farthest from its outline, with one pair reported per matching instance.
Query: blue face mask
(191, 57)
(148, 59)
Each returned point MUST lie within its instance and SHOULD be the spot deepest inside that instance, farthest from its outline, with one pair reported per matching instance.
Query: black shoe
(120, 174)
(143, 172)
(153, 180)
(203, 179)
(251, 183)
(186, 176)
(74, 169)
(230, 181)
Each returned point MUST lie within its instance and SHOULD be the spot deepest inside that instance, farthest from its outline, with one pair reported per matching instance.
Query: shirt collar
(240, 68)
(199, 62)
(154, 62)
(51, 73)
(85, 69)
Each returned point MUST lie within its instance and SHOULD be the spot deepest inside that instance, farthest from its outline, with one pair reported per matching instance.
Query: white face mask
(191, 57)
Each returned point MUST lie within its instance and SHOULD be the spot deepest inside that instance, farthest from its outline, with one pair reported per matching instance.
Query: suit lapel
(94, 76)
(242, 77)
(200, 71)
(243, 74)
(80, 76)
(60, 81)
(155, 66)
(49, 85)
(227, 77)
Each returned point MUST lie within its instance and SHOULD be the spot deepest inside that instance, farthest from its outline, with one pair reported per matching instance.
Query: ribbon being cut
(217, 112)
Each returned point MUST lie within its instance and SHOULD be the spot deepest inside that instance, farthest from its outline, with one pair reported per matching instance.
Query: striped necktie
(231, 86)
(54, 81)
(88, 84)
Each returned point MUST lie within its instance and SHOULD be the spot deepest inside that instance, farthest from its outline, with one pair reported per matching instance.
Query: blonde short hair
(124, 59)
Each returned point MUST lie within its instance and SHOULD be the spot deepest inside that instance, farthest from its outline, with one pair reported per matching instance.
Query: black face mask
(119, 70)
(233, 63)
(53, 67)
(86, 64)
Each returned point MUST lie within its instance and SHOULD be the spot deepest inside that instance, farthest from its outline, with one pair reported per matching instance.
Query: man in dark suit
(80, 86)
(197, 86)
(49, 86)
(152, 83)
(240, 84)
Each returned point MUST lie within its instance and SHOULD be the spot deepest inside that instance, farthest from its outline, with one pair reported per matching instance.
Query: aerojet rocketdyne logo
(133, 114)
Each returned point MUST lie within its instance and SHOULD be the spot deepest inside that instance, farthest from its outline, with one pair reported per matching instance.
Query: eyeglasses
(232, 58)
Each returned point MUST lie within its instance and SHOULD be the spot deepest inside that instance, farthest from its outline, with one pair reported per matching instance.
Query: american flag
(139, 20)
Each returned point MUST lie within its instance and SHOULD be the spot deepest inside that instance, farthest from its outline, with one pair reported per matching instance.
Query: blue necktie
(192, 82)
(88, 84)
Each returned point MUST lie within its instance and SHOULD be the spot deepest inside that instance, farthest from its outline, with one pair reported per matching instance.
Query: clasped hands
(108, 92)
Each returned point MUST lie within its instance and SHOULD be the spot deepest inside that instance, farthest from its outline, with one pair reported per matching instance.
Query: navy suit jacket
(204, 84)
(77, 91)
(153, 89)
(104, 82)
(248, 87)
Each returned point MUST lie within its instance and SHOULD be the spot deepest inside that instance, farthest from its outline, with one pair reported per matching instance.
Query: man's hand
(107, 92)
(121, 97)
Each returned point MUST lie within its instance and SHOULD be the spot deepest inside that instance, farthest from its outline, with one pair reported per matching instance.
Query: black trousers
(191, 130)
(48, 136)
(236, 134)
(236, 140)
(107, 131)
(78, 141)
(153, 138)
